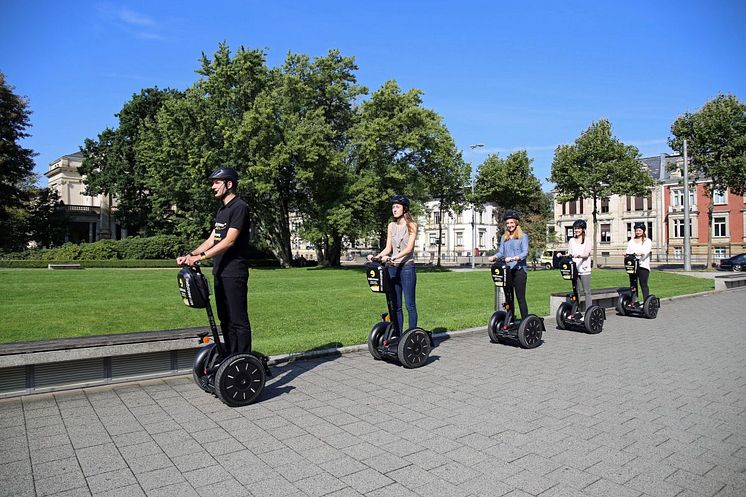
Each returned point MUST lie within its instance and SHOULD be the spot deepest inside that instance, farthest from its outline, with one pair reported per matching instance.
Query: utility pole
(474, 214)
(687, 234)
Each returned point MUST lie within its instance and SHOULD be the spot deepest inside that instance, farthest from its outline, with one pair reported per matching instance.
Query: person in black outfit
(228, 245)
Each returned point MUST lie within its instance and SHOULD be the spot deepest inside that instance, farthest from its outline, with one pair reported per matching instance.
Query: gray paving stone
(56, 467)
(112, 480)
(606, 488)
(159, 478)
(59, 483)
(367, 480)
(100, 459)
(320, 484)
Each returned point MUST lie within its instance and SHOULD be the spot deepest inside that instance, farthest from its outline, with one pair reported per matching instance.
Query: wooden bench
(59, 364)
(727, 281)
(64, 266)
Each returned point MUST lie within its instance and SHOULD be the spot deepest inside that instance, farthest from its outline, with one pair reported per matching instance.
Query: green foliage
(597, 166)
(16, 166)
(510, 183)
(716, 136)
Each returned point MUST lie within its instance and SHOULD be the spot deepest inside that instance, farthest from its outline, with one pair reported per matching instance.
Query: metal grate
(140, 364)
(185, 358)
(69, 372)
(13, 379)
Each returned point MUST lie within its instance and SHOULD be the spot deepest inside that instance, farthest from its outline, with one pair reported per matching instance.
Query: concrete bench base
(727, 281)
(606, 298)
(51, 365)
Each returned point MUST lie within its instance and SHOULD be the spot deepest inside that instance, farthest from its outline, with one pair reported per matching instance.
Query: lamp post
(474, 213)
(687, 242)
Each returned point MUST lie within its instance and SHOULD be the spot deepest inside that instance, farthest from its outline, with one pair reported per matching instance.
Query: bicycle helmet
(511, 214)
(400, 199)
(580, 223)
(640, 225)
(225, 174)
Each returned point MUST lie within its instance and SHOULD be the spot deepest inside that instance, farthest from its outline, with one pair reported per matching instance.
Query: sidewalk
(646, 408)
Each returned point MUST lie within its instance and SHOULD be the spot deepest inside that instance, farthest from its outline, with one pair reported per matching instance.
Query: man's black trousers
(231, 298)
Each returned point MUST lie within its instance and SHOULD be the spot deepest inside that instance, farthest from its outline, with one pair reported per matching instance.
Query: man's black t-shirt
(234, 261)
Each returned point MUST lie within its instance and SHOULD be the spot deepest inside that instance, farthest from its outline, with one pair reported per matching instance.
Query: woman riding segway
(637, 265)
(511, 259)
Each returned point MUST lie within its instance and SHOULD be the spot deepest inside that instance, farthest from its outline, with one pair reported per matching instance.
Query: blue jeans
(404, 279)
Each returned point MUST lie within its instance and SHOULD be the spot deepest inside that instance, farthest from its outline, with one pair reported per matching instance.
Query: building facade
(90, 217)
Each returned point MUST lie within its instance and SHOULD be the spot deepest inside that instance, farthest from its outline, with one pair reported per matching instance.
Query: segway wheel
(496, 321)
(203, 361)
(240, 380)
(529, 332)
(594, 320)
(413, 348)
(561, 317)
(650, 307)
(375, 337)
(621, 305)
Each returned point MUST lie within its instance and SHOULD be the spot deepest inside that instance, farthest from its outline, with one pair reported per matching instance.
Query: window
(678, 253)
(649, 199)
(459, 238)
(678, 228)
(568, 233)
(564, 209)
(604, 205)
(639, 204)
(481, 238)
(677, 198)
(718, 252)
(719, 226)
(580, 208)
(719, 197)
(649, 232)
(436, 217)
(433, 238)
(606, 233)
(573, 208)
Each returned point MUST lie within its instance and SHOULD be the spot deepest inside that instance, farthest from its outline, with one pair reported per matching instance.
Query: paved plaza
(646, 408)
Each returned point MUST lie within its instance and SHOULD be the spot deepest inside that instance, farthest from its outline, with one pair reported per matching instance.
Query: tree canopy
(597, 166)
(16, 164)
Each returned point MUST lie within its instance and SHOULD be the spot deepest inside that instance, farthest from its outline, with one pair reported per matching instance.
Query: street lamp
(474, 213)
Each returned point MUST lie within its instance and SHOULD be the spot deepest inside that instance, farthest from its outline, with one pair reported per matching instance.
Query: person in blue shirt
(514, 249)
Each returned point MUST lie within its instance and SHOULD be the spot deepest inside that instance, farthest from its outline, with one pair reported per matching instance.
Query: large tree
(510, 183)
(394, 146)
(597, 166)
(111, 165)
(16, 163)
(716, 139)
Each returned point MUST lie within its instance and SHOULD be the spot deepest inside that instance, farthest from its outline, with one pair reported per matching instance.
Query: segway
(503, 326)
(568, 315)
(410, 348)
(628, 303)
(236, 379)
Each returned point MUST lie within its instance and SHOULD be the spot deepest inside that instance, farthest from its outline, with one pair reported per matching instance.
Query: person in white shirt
(579, 248)
(642, 247)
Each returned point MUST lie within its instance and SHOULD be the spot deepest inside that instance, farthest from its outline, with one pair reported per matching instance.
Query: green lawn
(291, 310)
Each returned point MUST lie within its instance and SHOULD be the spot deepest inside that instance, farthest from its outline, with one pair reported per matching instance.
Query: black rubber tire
(547, 266)
(650, 307)
(530, 331)
(561, 317)
(374, 338)
(204, 359)
(413, 348)
(240, 380)
(621, 304)
(737, 268)
(593, 320)
(495, 322)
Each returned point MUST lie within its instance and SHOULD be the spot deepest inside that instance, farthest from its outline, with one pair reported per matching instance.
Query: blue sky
(508, 74)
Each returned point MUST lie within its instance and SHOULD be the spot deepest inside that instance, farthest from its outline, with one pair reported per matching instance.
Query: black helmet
(226, 174)
(580, 223)
(511, 214)
(640, 225)
(400, 199)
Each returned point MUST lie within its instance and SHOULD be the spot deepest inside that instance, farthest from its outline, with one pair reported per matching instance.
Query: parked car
(735, 263)
(550, 258)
